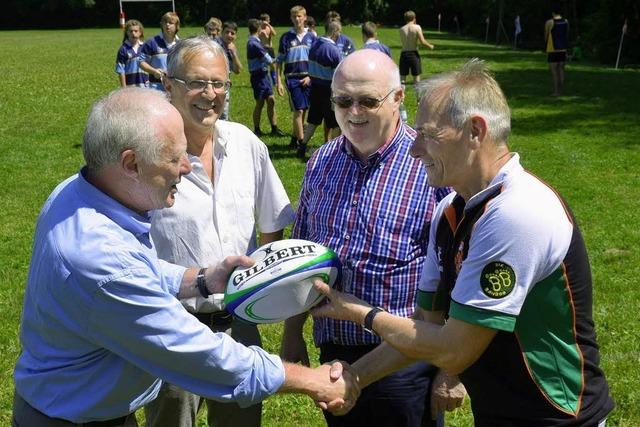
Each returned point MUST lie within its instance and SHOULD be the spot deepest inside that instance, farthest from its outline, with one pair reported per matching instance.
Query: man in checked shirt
(366, 198)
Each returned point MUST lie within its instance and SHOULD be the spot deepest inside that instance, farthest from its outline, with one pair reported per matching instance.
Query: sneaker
(301, 152)
(293, 143)
(258, 132)
(277, 132)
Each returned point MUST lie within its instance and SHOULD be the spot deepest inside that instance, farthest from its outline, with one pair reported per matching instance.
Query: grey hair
(121, 121)
(186, 49)
(469, 91)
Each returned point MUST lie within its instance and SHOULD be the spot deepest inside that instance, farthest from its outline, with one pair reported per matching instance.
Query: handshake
(333, 386)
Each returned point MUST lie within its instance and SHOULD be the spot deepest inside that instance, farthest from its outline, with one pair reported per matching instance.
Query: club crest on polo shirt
(497, 279)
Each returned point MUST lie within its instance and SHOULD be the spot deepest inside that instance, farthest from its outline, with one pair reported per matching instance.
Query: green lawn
(585, 144)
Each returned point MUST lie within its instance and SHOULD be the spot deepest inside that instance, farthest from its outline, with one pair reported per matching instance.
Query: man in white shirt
(232, 188)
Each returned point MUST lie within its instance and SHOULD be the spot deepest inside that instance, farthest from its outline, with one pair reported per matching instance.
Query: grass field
(586, 144)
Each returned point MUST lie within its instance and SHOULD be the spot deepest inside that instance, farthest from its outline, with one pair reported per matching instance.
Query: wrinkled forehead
(364, 83)
(432, 107)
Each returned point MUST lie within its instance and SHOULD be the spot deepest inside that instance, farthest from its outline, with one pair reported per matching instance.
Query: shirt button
(354, 203)
(347, 237)
(225, 239)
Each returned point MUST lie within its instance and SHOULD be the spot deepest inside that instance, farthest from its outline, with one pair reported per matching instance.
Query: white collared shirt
(208, 223)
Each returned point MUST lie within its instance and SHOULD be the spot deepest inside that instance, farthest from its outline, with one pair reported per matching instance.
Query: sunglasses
(366, 102)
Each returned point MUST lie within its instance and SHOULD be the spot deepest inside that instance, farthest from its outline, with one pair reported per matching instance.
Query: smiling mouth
(356, 122)
(205, 107)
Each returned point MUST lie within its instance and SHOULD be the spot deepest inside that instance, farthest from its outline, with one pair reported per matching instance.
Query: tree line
(595, 25)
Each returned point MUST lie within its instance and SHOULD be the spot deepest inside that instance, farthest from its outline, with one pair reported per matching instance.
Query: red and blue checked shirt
(376, 217)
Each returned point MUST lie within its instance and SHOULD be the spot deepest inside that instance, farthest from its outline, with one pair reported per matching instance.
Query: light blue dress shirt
(101, 321)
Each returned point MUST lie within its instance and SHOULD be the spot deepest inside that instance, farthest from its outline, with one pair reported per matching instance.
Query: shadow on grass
(595, 101)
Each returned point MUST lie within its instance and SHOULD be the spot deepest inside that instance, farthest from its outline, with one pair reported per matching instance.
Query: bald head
(367, 65)
(125, 119)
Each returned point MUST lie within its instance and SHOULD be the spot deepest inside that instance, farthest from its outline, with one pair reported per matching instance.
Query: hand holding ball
(279, 284)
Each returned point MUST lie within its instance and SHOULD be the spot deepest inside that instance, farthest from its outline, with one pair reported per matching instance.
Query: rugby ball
(279, 284)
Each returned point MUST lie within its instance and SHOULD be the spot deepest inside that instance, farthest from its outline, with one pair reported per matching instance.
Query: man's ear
(398, 96)
(130, 164)
(166, 82)
(479, 129)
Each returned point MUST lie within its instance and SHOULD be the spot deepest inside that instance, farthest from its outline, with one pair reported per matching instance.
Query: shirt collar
(123, 216)
(513, 165)
(327, 39)
(220, 139)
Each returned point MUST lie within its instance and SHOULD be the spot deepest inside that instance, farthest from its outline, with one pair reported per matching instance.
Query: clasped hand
(342, 389)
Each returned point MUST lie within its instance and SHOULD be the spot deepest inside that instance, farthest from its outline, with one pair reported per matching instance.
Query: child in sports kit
(293, 57)
(153, 58)
(227, 41)
(213, 27)
(370, 39)
(266, 35)
(259, 62)
(128, 57)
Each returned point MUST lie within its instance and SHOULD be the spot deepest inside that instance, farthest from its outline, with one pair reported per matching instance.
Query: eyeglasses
(218, 86)
(367, 102)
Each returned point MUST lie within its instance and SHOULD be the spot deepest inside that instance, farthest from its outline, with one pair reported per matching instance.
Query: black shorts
(557, 57)
(410, 61)
(320, 107)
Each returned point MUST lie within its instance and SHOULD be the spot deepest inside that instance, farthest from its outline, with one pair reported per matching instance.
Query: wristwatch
(201, 283)
(368, 319)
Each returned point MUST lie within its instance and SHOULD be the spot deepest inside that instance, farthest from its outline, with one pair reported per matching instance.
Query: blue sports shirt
(324, 57)
(154, 52)
(345, 44)
(375, 215)
(257, 57)
(128, 63)
(101, 321)
(294, 52)
(376, 45)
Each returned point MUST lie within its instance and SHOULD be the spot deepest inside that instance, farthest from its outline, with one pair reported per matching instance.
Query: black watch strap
(201, 283)
(368, 319)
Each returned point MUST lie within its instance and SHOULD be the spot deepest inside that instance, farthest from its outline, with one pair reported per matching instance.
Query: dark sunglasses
(367, 102)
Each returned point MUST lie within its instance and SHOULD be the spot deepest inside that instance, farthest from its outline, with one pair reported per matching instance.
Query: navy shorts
(261, 84)
(320, 107)
(298, 94)
(410, 61)
(557, 57)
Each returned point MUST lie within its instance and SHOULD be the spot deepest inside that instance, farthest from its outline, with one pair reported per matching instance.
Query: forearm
(157, 73)
(452, 347)
(122, 79)
(379, 363)
(236, 67)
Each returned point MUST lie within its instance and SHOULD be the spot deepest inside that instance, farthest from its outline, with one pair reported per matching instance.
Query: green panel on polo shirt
(487, 318)
(546, 332)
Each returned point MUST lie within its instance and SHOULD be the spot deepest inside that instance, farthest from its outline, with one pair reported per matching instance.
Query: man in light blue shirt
(102, 323)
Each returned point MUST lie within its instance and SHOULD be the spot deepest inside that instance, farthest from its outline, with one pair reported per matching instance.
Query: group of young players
(304, 64)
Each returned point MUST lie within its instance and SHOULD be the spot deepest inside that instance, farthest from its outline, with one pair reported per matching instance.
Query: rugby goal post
(122, 19)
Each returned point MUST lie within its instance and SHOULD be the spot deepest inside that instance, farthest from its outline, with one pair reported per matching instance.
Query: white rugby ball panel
(279, 285)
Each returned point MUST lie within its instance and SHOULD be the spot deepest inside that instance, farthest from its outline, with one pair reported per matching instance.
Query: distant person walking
(410, 36)
(556, 31)
(128, 57)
